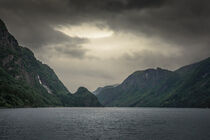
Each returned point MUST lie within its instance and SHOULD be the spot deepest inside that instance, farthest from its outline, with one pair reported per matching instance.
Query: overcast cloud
(102, 42)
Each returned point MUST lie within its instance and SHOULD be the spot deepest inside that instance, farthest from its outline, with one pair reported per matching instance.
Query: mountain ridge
(26, 81)
(159, 88)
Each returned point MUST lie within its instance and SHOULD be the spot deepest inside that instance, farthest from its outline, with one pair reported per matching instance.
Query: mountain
(25, 81)
(99, 89)
(85, 97)
(188, 86)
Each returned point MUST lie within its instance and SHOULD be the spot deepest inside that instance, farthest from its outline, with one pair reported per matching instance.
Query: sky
(94, 43)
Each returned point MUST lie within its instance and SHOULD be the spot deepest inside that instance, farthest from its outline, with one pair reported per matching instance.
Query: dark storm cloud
(113, 5)
(32, 20)
(189, 18)
(179, 21)
(185, 23)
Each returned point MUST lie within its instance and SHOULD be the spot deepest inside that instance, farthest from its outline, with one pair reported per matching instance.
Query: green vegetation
(188, 86)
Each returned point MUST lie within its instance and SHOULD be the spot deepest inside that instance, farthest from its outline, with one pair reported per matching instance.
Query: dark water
(104, 123)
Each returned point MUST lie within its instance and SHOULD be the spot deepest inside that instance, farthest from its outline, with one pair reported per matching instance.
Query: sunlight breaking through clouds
(85, 30)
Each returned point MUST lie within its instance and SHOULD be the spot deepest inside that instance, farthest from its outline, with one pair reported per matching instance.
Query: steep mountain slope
(193, 89)
(188, 86)
(25, 81)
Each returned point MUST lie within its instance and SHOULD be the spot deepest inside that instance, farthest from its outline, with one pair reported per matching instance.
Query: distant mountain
(99, 89)
(85, 97)
(188, 86)
(25, 81)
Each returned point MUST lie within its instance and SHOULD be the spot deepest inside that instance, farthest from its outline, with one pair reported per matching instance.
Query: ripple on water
(104, 123)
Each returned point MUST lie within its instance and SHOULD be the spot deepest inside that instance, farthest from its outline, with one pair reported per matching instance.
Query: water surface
(104, 123)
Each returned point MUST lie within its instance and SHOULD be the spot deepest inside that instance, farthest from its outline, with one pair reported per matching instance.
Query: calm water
(104, 123)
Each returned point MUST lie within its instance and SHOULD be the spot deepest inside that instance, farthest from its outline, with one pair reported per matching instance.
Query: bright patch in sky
(85, 31)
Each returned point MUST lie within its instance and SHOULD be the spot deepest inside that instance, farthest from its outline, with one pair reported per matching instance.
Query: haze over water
(104, 123)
